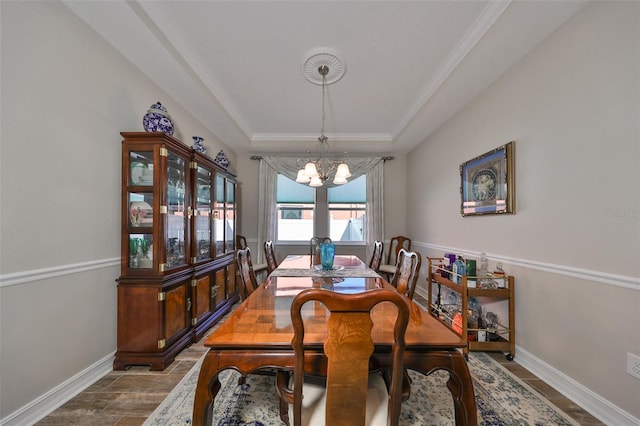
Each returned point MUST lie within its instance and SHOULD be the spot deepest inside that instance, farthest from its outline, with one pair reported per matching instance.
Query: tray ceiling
(238, 65)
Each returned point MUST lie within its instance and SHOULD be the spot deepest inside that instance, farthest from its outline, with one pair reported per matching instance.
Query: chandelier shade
(317, 170)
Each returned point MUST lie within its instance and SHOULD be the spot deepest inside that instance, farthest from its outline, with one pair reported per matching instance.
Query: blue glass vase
(327, 251)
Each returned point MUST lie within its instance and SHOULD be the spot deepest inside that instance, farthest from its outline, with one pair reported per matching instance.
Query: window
(296, 206)
(347, 205)
(304, 211)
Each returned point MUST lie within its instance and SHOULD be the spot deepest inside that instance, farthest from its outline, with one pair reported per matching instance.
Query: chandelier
(316, 170)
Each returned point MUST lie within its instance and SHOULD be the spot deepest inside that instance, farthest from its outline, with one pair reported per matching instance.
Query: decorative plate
(140, 174)
(140, 214)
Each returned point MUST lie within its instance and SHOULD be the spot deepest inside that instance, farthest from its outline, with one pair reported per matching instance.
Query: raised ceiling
(410, 65)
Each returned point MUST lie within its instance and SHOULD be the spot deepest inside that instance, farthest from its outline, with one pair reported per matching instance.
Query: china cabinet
(178, 225)
(453, 299)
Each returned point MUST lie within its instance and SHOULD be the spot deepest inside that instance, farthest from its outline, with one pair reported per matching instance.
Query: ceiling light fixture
(316, 171)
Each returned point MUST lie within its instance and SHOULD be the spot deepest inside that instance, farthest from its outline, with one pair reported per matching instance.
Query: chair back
(395, 245)
(270, 256)
(348, 347)
(314, 248)
(407, 271)
(247, 275)
(376, 257)
(241, 242)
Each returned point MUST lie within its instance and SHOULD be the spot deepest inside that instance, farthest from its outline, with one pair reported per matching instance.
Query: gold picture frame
(487, 183)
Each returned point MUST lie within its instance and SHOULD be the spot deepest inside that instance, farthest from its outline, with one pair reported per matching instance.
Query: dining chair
(270, 256)
(241, 243)
(314, 248)
(398, 242)
(407, 271)
(350, 394)
(249, 285)
(376, 257)
(246, 272)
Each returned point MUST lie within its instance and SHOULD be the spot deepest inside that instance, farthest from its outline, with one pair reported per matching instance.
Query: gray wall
(572, 107)
(66, 95)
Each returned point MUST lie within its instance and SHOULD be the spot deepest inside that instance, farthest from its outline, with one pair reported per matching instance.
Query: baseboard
(589, 401)
(37, 409)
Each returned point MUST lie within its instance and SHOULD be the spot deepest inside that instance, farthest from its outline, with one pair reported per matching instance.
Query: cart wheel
(509, 357)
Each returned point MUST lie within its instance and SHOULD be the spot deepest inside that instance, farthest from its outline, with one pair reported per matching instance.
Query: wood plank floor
(127, 398)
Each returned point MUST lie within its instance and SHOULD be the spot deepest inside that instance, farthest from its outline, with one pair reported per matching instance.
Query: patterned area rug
(501, 399)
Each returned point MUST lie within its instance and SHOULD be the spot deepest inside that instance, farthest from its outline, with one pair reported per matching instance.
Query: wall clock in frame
(487, 183)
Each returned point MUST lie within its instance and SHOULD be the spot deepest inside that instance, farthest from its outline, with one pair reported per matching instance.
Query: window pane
(355, 191)
(296, 205)
(290, 191)
(347, 222)
(295, 222)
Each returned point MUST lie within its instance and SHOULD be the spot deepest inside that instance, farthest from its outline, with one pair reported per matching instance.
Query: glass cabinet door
(218, 214)
(140, 210)
(202, 215)
(230, 219)
(176, 223)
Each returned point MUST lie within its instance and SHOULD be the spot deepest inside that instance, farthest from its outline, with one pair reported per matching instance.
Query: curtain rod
(384, 157)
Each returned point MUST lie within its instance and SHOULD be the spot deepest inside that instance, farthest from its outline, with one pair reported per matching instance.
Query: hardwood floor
(127, 398)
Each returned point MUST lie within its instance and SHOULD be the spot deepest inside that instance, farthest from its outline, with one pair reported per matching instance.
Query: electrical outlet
(633, 365)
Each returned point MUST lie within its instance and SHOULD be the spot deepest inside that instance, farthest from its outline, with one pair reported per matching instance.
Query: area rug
(501, 399)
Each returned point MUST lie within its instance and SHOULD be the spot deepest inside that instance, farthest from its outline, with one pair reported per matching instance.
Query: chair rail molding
(624, 281)
(22, 277)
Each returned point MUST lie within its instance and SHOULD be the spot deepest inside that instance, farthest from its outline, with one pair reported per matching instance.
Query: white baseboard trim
(37, 409)
(597, 406)
(591, 402)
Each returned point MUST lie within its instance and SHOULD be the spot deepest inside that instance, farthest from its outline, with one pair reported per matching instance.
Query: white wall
(572, 107)
(66, 95)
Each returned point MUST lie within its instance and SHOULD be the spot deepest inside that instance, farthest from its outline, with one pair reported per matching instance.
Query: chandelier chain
(323, 70)
(316, 172)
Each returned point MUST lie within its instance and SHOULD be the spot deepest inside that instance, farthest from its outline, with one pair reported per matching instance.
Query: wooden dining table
(257, 335)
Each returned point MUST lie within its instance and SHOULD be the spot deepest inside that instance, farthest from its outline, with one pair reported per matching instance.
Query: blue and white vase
(157, 120)
(197, 144)
(222, 159)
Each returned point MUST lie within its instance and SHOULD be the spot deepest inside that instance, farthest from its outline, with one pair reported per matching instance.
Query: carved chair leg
(286, 396)
(406, 383)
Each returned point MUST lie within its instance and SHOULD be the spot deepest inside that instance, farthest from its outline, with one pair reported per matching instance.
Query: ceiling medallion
(320, 57)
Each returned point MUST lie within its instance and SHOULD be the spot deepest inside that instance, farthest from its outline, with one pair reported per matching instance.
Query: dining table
(257, 334)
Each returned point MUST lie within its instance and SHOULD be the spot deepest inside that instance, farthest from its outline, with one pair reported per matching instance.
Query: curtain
(267, 187)
(270, 166)
(289, 166)
(375, 207)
